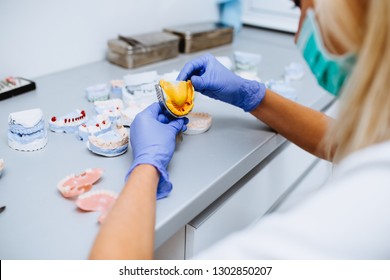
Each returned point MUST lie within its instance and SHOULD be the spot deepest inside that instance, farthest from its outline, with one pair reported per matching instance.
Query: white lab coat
(349, 218)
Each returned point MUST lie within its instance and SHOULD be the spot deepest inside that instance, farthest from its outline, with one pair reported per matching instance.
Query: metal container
(201, 36)
(137, 50)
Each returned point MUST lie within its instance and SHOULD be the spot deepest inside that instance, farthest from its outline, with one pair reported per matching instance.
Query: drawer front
(248, 199)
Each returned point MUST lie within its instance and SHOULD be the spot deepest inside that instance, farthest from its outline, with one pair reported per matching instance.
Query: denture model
(27, 130)
(1, 166)
(69, 123)
(198, 123)
(110, 144)
(98, 92)
(139, 87)
(179, 97)
(112, 108)
(98, 125)
(116, 88)
(282, 88)
(98, 200)
(128, 114)
(74, 185)
(294, 71)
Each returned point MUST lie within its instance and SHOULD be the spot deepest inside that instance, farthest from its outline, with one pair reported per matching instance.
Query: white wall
(38, 37)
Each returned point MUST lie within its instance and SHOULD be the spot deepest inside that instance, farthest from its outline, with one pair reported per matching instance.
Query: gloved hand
(211, 78)
(153, 139)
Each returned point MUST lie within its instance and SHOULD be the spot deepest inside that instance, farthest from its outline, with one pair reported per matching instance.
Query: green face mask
(330, 70)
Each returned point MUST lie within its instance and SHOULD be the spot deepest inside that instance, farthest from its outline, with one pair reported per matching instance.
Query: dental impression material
(68, 123)
(110, 144)
(98, 125)
(198, 123)
(74, 185)
(176, 98)
(98, 92)
(98, 200)
(1, 166)
(27, 131)
(112, 108)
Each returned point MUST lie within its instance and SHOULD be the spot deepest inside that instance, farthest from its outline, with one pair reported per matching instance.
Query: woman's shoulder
(374, 158)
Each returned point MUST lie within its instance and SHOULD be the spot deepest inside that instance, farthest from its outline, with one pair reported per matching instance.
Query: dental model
(68, 123)
(128, 114)
(98, 92)
(198, 123)
(116, 88)
(98, 125)
(282, 88)
(140, 87)
(74, 185)
(112, 108)
(110, 144)
(178, 97)
(294, 71)
(27, 131)
(1, 166)
(98, 200)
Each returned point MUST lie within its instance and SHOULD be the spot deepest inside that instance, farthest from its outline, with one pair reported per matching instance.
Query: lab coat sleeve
(348, 219)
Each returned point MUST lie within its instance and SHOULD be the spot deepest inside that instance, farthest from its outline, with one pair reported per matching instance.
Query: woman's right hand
(211, 78)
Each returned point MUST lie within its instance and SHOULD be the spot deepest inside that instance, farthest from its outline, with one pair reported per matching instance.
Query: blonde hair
(361, 26)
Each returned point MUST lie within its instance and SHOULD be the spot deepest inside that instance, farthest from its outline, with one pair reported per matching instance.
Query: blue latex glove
(153, 139)
(211, 78)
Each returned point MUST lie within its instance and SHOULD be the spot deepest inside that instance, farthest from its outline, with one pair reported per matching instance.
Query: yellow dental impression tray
(178, 97)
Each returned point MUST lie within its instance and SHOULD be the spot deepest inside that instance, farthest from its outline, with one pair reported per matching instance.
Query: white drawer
(248, 199)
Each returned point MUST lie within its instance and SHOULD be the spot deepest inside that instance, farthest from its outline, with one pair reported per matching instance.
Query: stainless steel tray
(137, 50)
(200, 36)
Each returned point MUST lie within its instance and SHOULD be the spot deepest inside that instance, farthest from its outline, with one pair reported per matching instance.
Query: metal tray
(200, 36)
(138, 50)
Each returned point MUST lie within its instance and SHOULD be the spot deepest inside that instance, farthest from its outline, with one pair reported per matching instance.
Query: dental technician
(346, 43)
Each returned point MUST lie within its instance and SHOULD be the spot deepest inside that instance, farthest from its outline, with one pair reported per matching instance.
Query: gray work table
(39, 223)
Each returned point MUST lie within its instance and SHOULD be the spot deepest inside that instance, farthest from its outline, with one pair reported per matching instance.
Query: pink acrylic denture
(74, 185)
(99, 200)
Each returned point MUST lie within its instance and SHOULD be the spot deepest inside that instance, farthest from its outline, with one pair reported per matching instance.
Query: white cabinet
(249, 199)
(173, 248)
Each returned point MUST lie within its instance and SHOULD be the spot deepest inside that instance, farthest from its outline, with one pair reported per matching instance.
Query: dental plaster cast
(68, 123)
(282, 88)
(179, 96)
(96, 126)
(74, 185)
(110, 144)
(112, 108)
(1, 166)
(116, 88)
(97, 200)
(294, 71)
(27, 130)
(98, 92)
(198, 123)
(128, 114)
(139, 87)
